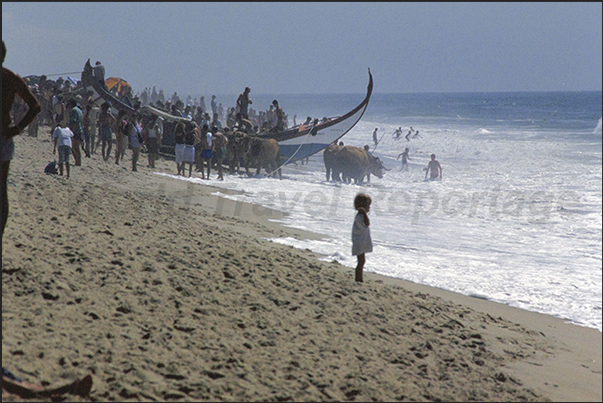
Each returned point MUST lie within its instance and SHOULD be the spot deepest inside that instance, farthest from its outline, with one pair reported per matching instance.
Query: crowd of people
(80, 127)
(240, 116)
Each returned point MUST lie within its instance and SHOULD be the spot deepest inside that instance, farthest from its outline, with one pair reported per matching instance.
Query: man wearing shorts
(219, 141)
(405, 159)
(206, 150)
(180, 147)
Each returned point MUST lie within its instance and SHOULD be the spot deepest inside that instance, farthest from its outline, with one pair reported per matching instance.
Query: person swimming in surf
(435, 168)
(405, 159)
(407, 137)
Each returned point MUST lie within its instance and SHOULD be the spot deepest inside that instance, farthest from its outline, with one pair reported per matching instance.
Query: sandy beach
(163, 291)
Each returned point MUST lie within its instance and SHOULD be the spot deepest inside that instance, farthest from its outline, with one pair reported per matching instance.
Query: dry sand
(162, 291)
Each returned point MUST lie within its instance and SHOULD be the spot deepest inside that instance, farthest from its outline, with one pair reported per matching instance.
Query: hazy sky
(286, 48)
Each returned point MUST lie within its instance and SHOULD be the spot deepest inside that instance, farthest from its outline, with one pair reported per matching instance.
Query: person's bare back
(13, 85)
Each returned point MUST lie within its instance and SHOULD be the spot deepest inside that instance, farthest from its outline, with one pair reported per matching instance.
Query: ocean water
(516, 218)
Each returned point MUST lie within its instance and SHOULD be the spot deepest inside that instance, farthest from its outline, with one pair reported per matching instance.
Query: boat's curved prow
(369, 88)
(100, 93)
(296, 144)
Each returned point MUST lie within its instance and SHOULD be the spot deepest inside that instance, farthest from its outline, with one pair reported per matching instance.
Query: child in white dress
(361, 233)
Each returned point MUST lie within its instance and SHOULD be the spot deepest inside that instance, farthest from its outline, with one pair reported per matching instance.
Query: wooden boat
(303, 141)
(295, 143)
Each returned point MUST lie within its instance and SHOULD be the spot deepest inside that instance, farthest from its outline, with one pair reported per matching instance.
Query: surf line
(264, 203)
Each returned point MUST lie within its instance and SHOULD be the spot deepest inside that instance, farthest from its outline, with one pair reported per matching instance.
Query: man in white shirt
(62, 140)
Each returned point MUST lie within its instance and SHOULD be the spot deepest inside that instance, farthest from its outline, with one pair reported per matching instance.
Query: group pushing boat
(296, 143)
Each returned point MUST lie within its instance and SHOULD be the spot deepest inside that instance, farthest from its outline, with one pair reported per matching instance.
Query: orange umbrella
(120, 82)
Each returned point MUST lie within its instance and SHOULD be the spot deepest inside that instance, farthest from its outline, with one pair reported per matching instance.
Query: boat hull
(302, 142)
(320, 138)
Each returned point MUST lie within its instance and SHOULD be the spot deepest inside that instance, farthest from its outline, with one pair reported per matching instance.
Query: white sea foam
(517, 217)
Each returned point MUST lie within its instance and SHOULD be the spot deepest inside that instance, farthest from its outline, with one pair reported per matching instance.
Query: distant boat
(303, 141)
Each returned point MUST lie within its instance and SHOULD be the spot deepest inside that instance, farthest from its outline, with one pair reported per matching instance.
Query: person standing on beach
(243, 103)
(180, 147)
(153, 140)
(121, 136)
(220, 141)
(106, 121)
(12, 85)
(135, 138)
(86, 129)
(375, 139)
(189, 150)
(435, 168)
(62, 140)
(75, 124)
(206, 150)
(32, 128)
(92, 119)
(361, 233)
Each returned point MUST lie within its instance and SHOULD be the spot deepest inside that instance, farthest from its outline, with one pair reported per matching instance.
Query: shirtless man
(407, 137)
(405, 159)
(206, 150)
(12, 85)
(243, 124)
(280, 116)
(120, 127)
(106, 121)
(180, 146)
(435, 168)
(220, 141)
(243, 103)
(189, 148)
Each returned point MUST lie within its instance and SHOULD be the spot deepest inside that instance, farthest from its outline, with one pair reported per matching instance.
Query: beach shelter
(116, 81)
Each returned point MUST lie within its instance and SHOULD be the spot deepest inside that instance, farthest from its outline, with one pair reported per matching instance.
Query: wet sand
(163, 291)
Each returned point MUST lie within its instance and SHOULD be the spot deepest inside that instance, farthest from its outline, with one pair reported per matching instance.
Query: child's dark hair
(362, 201)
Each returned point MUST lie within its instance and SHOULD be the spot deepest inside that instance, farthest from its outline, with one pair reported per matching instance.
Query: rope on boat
(62, 74)
(298, 148)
